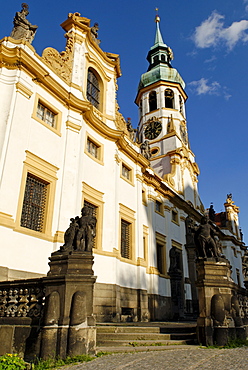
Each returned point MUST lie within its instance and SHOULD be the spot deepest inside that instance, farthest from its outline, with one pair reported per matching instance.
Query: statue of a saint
(81, 233)
(23, 29)
(86, 231)
(145, 149)
(204, 240)
(94, 33)
(132, 131)
(191, 228)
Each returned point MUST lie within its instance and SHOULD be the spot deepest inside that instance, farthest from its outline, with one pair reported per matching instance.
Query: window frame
(100, 148)
(58, 114)
(161, 208)
(95, 197)
(46, 172)
(161, 242)
(31, 208)
(127, 215)
(175, 216)
(152, 99)
(172, 99)
(89, 94)
(130, 180)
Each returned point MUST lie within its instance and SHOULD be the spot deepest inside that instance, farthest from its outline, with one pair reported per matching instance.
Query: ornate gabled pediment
(61, 63)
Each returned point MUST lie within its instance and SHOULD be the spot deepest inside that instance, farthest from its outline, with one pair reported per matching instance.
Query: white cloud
(203, 87)
(208, 33)
(212, 32)
(210, 60)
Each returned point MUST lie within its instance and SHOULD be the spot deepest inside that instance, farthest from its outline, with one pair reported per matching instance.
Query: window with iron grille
(34, 203)
(46, 115)
(93, 89)
(93, 212)
(92, 148)
(125, 239)
(92, 207)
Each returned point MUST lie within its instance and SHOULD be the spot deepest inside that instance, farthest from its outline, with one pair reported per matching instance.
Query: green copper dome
(159, 58)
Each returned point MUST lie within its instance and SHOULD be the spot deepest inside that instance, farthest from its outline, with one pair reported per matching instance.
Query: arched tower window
(93, 88)
(152, 101)
(169, 98)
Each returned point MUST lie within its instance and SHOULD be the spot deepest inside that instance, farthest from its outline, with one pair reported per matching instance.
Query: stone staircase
(130, 337)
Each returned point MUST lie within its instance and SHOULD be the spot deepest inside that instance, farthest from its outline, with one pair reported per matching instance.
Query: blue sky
(210, 44)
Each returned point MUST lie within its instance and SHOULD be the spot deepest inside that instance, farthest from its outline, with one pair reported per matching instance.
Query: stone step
(101, 337)
(124, 349)
(127, 329)
(142, 343)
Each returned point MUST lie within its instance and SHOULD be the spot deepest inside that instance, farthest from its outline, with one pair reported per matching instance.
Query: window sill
(33, 233)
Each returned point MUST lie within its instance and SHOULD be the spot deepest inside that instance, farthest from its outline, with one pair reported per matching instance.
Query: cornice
(18, 58)
(115, 135)
(159, 185)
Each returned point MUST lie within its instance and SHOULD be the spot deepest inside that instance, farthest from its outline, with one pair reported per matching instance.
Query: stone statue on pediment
(23, 29)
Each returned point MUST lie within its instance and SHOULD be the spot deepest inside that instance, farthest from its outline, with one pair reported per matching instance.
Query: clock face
(152, 130)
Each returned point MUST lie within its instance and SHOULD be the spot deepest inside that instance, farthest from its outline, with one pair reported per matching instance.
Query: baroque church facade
(64, 144)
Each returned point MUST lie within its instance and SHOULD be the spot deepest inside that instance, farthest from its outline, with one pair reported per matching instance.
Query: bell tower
(162, 120)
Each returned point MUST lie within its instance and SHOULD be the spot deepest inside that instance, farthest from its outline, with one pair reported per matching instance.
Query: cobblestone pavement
(174, 359)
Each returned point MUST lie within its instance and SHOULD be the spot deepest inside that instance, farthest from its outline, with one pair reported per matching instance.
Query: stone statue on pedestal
(145, 149)
(81, 233)
(23, 29)
(204, 240)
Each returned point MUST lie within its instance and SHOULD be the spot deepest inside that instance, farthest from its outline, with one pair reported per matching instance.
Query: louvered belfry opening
(93, 89)
(125, 239)
(34, 203)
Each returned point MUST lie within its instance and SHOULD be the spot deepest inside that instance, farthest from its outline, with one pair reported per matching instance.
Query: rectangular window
(161, 253)
(158, 206)
(126, 172)
(174, 216)
(34, 203)
(46, 115)
(92, 148)
(160, 258)
(125, 239)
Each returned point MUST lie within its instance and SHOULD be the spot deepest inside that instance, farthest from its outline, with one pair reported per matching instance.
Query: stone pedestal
(216, 290)
(69, 325)
(190, 248)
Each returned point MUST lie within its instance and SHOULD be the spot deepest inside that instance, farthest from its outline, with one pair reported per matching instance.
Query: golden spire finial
(157, 19)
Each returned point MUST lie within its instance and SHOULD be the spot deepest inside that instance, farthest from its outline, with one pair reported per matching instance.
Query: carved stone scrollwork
(19, 302)
(61, 63)
(120, 120)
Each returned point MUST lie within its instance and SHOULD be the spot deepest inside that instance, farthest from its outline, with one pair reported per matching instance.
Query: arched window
(163, 58)
(152, 101)
(93, 88)
(169, 98)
